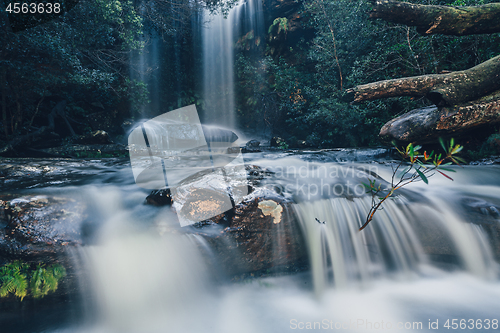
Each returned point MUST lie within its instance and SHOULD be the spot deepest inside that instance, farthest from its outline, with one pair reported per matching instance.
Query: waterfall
(396, 242)
(340, 254)
(423, 254)
(219, 37)
(145, 67)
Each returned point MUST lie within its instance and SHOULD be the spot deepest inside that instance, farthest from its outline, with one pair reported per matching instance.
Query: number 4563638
(33, 8)
(477, 324)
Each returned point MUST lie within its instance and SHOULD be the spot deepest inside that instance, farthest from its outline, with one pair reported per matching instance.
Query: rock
(159, 198)
(480, 211)
(487, 215)
(217, 134)
(255, 174)
(40, 226)
(252, 144)
(258, 235)
(487, 161)
(263, 237)
(41, 230)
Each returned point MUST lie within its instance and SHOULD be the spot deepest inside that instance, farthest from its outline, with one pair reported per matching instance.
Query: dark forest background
(291, 82)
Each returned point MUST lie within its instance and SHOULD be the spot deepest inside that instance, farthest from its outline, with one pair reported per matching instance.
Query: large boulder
(263, 237)
(259, 235)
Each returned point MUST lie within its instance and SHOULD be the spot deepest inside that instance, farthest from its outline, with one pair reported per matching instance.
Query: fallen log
(445, 20)
(427, 124)
(442, 89)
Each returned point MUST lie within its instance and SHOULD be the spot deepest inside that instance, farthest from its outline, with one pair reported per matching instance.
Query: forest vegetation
(294, 81)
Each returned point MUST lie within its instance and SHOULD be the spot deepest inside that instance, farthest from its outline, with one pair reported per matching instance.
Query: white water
(144, 282)
(341, 255)
(219, 37)
(145, 67)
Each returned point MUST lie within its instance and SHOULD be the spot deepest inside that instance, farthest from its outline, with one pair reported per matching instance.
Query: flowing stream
(219, 36)
(427, 257)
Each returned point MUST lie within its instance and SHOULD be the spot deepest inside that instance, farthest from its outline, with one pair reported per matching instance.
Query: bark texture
(441, 89)
(427, 124)
(445, 20)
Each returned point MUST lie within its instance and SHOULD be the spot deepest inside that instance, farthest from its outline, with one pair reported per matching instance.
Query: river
(428, 262)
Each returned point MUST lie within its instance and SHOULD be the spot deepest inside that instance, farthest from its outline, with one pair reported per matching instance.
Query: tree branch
(442, 89)
(446, 20)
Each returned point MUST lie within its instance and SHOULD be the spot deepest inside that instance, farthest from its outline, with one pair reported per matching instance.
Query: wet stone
(39, 225)
(254, 243)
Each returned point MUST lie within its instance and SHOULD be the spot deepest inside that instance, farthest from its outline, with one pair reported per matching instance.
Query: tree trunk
(442, 89)
(427, 124)
(444, 20)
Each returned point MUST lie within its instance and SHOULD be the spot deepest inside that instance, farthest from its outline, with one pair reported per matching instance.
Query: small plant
(281, 23)
(17, 278)
(14, 279)
(45, 280)
(283, 145)
(417, 167)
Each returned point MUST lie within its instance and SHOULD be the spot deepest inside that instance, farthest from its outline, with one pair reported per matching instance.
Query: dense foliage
(87, 57)
(68, 59)
(291, 80)
(350, 49)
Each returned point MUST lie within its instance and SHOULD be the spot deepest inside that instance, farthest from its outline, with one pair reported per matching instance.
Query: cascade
(218, 43)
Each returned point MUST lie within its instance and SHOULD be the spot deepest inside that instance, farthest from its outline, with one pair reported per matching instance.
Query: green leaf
(424, 178)
(441, 141)
(457, 149)
(459, 159)
(447, 169)
(421, 164)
